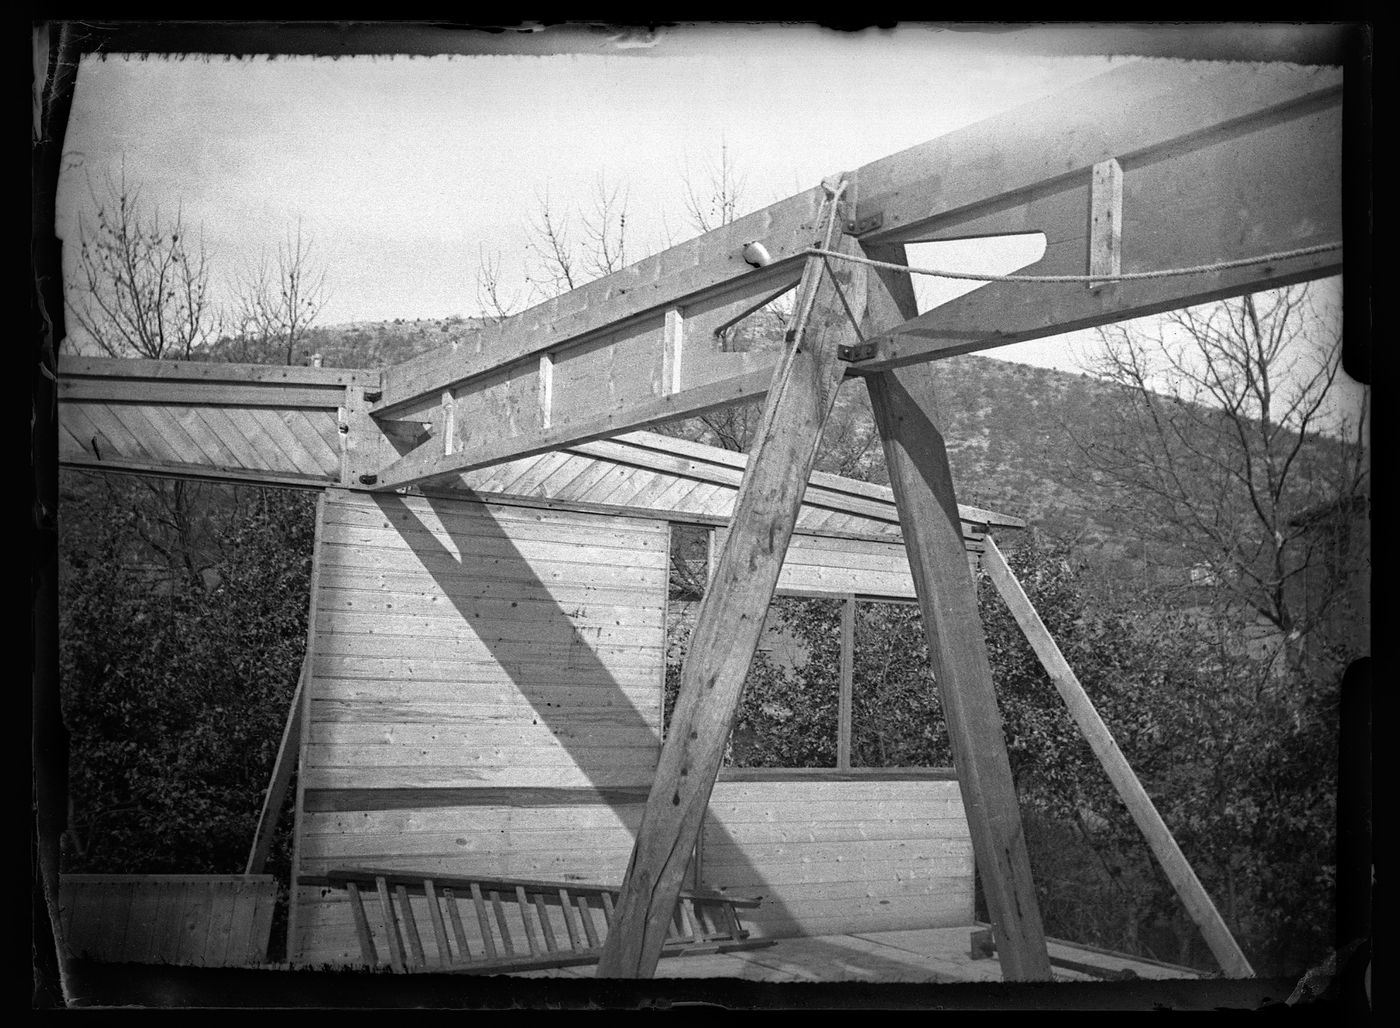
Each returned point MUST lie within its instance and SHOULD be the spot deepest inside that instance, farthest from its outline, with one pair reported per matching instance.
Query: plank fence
(197, 920)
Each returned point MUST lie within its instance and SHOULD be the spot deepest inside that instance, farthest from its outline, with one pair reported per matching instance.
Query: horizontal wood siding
(841, 856)
(484, 700)
(837, 567)
(196, 920)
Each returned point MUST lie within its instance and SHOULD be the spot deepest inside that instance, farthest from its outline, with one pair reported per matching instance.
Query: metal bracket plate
(869, 223)
(856, 352)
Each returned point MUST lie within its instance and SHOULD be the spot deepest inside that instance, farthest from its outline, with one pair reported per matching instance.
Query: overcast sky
(404, 171)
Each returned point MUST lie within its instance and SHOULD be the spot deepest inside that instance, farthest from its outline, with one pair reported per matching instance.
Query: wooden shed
(522, 740)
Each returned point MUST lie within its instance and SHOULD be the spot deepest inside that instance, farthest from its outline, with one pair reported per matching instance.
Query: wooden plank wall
(820, 566)
(839, 854)
(197, 920)
(485, 698)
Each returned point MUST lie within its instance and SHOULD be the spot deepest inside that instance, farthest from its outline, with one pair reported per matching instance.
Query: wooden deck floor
(927, 955)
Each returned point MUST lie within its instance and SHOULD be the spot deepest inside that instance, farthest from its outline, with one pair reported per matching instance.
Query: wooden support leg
(928, 515)
(277, 787)
(904, 409)
(1159, 837)
(729, 622)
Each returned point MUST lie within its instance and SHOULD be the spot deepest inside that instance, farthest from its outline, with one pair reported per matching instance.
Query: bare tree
(566, 249)
(1226, 444)
(279, 300)
(550, 261)
(605, 230)
(717, 201)
(490, 298)
(142, 285)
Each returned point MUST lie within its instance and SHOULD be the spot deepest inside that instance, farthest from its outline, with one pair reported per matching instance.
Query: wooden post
(673, 340)
(730, 619)
(843, 708)
(917, 458)
(277, 786)
(1106, 220)
(1120, 773)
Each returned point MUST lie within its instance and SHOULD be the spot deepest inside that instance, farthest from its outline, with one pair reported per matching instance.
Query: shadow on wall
(569, 659)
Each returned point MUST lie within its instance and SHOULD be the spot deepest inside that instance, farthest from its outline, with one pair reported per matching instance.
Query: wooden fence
(199, 920)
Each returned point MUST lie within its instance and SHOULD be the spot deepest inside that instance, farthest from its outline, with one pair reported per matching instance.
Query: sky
(403, 171)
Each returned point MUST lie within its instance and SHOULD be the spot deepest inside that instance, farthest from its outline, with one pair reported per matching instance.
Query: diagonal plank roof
(689, 481)
(281, 425)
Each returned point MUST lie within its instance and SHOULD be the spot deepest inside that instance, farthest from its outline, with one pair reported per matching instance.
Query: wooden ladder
(558, 922)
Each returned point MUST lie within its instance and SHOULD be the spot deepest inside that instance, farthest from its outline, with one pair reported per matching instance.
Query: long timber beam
(1213, 164)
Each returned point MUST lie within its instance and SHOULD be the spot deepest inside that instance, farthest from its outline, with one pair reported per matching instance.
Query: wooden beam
(202, 393)
(917, 458)
(193, 472)
(698, 273)
(1243, 162)
(73, 367)
(282, 768)
(1159, 837)
(729, 623)
(1268, 184)
(846, 687)
(1142, 112)
(425, 463)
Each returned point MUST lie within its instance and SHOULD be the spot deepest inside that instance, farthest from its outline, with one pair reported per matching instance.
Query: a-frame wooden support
(731, 614)
(1159, 837)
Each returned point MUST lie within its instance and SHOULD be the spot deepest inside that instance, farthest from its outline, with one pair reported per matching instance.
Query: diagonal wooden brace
(1159, 838)
(800, 399)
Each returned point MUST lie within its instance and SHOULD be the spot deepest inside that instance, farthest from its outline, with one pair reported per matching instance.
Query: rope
(1199, 269)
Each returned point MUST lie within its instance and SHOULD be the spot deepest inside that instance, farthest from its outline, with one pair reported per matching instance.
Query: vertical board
(483, 698)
